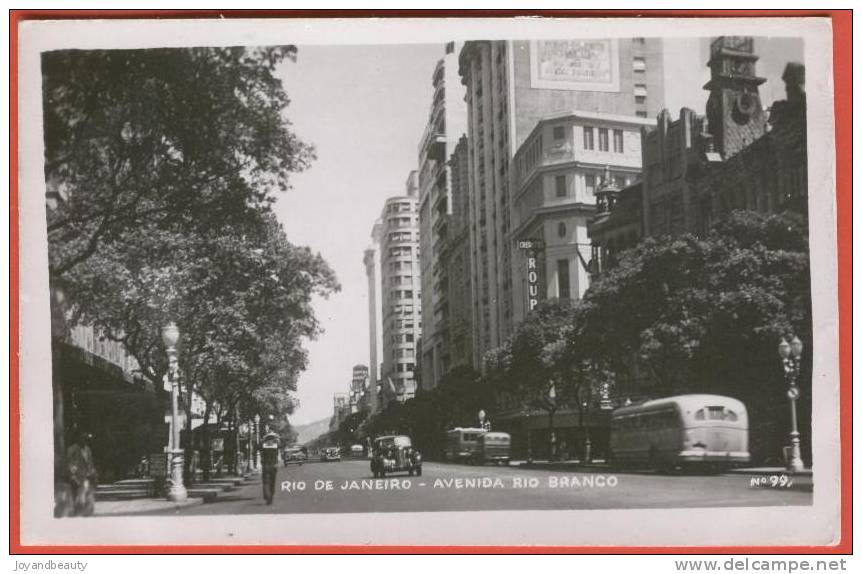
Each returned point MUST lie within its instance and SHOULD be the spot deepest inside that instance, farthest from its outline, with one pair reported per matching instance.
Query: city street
(459, 487)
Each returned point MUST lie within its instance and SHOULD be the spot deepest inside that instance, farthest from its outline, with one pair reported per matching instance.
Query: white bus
(701, 431)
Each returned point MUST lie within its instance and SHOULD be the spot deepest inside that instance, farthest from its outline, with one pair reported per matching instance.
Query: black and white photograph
(429, 282)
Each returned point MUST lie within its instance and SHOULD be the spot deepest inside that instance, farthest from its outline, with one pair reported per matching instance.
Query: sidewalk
(601, 465)
(141, 505)
(566, 465)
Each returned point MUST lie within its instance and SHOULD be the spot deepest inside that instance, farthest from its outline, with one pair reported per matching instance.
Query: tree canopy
(190, 138)
(167, 163)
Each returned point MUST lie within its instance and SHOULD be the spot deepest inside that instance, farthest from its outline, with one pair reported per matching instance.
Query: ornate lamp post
(552, 397)
(257, 441)
(791, 358)
(177, 490)
(525, 413)
(248, 459)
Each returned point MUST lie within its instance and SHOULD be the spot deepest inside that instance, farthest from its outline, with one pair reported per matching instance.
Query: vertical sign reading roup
(533, 249)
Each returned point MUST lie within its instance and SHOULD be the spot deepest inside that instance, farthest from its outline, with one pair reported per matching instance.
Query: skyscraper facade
(400, 294)
(510, 87)
(371, 259)
(447, 122)
(557, 174)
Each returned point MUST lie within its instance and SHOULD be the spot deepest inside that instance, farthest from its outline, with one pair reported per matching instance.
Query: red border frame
(842, 25)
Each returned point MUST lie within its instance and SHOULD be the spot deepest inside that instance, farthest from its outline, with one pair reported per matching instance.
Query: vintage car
(331, 454)
(395, 454)
(297, 454)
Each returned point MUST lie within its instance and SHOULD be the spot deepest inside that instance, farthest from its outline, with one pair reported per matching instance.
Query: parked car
(331, 454)
(395, 454)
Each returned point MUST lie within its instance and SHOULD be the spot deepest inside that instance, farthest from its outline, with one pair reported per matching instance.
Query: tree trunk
(63, 505)
(206, 454)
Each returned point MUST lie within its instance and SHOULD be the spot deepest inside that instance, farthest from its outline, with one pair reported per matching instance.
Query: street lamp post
(552, 397)
(526, 422)
(248, 459)
(177, 490)
(791, 358)
(257, 441)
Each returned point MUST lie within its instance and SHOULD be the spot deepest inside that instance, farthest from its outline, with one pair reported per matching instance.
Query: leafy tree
(533, 366)
(168, 162)
(706, 314)
(172, 138)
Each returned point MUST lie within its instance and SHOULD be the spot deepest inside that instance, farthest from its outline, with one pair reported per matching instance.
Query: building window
(560, 185)
(588, 138)
(640, 99)
(559, 133)
(640, 114)
(563, 278)
(561, 230)
(603, 139)
(640, 90)
(590, 180)
(618, 141)
(638, 64)
(639, 40)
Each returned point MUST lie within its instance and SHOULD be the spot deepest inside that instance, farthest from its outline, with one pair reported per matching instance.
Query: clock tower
(734, 112)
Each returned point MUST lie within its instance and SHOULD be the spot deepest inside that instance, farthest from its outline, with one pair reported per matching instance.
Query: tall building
(696, 169)
(556, 175)
(371, 259)
(447, 121)
(340, 410)
(510, 87)
(359, 389)
(397, 241)
(456, 322)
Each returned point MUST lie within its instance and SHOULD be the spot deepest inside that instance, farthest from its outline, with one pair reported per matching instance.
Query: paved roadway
(459, 487)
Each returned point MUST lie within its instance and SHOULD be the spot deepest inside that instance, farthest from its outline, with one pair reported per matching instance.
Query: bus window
(730, 415)
(699, 415)
(716, 413)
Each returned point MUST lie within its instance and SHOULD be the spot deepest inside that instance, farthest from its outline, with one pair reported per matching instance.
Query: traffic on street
(349, 486)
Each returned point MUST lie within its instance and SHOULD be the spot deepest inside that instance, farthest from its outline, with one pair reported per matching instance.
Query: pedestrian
(82, 474)
(269, 461)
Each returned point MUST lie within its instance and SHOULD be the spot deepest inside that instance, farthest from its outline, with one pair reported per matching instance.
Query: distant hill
(311, 431)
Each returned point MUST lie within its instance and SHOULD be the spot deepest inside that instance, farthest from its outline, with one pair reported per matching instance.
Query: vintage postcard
(455, 281)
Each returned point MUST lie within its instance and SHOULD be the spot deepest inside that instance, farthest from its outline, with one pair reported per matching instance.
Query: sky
(364, 109)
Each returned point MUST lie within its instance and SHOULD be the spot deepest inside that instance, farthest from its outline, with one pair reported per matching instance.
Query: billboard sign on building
(587, 65)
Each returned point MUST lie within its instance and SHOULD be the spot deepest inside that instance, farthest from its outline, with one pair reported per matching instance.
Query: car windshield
(394, 441)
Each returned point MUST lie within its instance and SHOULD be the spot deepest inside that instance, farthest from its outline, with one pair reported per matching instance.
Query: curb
(153, 506)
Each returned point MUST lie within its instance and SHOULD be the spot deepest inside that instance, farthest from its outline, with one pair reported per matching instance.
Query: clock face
(744, 106)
